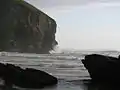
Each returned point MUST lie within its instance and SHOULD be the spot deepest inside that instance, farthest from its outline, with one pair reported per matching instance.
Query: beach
(67, 67)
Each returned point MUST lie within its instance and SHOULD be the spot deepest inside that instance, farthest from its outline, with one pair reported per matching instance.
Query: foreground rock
(24, 28)
(102, 68)
(25, 78)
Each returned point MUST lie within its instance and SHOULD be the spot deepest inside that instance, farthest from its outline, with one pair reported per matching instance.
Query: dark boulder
(102, 68)
(25, 78)
(24, 28)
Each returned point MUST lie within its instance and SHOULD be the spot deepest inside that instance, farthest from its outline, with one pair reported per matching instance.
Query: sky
(84, 24)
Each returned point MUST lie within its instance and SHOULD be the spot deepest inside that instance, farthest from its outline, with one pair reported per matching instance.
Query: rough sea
(66, 66)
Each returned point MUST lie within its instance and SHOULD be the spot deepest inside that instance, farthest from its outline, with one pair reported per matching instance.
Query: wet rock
(25, 78)
(24, 28)
(102, 68)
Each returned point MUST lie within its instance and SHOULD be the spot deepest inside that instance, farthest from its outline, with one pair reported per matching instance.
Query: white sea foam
(65, 66)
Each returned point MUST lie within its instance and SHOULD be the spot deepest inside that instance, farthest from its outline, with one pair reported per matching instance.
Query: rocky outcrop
(102, 68)
(24, 28)
(25, 78)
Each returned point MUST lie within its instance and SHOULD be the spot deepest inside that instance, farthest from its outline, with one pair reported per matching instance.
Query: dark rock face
(23, 28)
(25, 78)
(102, 68)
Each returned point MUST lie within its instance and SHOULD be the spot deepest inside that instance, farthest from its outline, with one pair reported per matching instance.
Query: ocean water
(66, 66)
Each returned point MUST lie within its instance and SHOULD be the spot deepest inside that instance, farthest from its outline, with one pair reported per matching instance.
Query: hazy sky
(84, 24)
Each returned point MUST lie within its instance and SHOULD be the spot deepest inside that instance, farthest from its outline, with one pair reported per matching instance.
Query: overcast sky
(84, 24)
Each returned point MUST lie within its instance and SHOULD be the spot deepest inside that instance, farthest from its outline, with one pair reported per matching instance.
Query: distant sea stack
(24, 28)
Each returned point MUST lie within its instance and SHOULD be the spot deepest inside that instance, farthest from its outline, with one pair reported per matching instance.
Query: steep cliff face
(23, 28)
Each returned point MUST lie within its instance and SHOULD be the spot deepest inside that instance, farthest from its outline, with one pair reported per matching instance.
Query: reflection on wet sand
(73, 85)
(101, 86)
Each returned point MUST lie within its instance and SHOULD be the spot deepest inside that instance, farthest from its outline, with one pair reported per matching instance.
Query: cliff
(24, 28)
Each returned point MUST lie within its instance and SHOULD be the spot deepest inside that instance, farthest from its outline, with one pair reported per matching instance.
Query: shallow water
(67, 67)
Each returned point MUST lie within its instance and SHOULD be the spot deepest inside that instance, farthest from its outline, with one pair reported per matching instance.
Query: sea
(66, 66)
